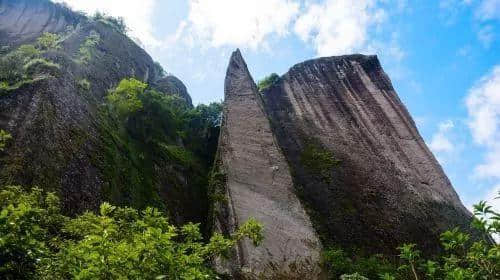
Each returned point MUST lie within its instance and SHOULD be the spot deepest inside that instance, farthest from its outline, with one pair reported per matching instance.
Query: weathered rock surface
(388, 188)
(61, 139)
(259, 185)
(25, 20)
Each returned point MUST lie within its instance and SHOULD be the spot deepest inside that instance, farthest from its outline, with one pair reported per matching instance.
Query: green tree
(37, 242)
(125, 98)
(268, 81)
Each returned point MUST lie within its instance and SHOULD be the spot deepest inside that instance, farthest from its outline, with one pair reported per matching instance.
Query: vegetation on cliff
(462, 257)
(26, 63)
(38, 242)
(267, 82)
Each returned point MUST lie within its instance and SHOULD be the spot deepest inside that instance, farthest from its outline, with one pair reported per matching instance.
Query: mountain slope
(65, 138)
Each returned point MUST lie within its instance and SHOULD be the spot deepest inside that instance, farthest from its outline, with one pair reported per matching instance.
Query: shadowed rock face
(388, 188)
(259, 185)
(62, 141)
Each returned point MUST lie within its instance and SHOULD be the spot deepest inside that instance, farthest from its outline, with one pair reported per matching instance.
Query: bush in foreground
(38, 242)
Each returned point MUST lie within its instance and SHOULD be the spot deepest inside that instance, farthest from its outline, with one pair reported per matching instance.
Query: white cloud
(488, 9)
(240, 23)
(137, 15)
(440, 142)
(339, 26)
(491, 198)
(483, 105)
(486, 35)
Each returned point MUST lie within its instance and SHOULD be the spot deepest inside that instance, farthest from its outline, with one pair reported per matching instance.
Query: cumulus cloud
(239, 23)
(483, 105)
(440, 140)
(339, 26)
(137, 15)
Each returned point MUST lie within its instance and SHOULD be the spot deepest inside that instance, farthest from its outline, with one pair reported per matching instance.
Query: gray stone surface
(259, 185)
(388, 189)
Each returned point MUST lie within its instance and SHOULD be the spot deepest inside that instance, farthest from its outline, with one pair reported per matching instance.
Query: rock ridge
(388, 188)
(259, 185)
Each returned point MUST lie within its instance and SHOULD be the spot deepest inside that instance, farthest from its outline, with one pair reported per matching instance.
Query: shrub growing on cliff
(463, 258)
(318, 160)
(4, 139)
(267, 82)
(118, 23)
(88, 46)
(48, 41)
(37, 242)
(125, 97)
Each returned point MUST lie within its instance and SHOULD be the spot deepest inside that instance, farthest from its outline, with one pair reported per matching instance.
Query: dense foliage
(26, 63)
(462, 259)
(164, 119)
(267, 82)
(143, 129)
(38, 242)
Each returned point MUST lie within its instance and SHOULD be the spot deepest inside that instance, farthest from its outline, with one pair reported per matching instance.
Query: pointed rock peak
(238, 79)
(237, 58)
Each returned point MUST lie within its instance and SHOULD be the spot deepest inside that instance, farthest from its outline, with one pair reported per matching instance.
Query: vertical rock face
(259, 185)
(388, 188)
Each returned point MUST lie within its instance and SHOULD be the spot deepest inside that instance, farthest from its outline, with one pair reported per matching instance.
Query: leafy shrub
(14, 65)
(28, 52)
(180, 154)
(84, 84)
(318, 160)
(355, 276)
(39, 66)
(4, 138)
(11, 67)
(48, 41)
(268, 81)
(338, 263)
(86, 49)
(28, 223)
(125, 98)
(37, 242)
(118, 23)
(463, 258)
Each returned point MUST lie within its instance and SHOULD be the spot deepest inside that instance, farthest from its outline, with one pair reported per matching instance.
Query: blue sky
(443, 57)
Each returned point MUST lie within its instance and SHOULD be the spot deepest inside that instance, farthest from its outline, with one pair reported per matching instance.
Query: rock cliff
(62, 139)
(383, 187)
(259, 185)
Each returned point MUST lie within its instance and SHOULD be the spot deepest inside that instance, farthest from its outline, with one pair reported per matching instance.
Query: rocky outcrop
(259, 184)
(25, 20)
(63, 138)
(172, 85)
(383, 187)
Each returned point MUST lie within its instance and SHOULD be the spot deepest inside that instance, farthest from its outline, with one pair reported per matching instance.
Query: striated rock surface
(384, 186)
(259, 185)
(25, 20)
